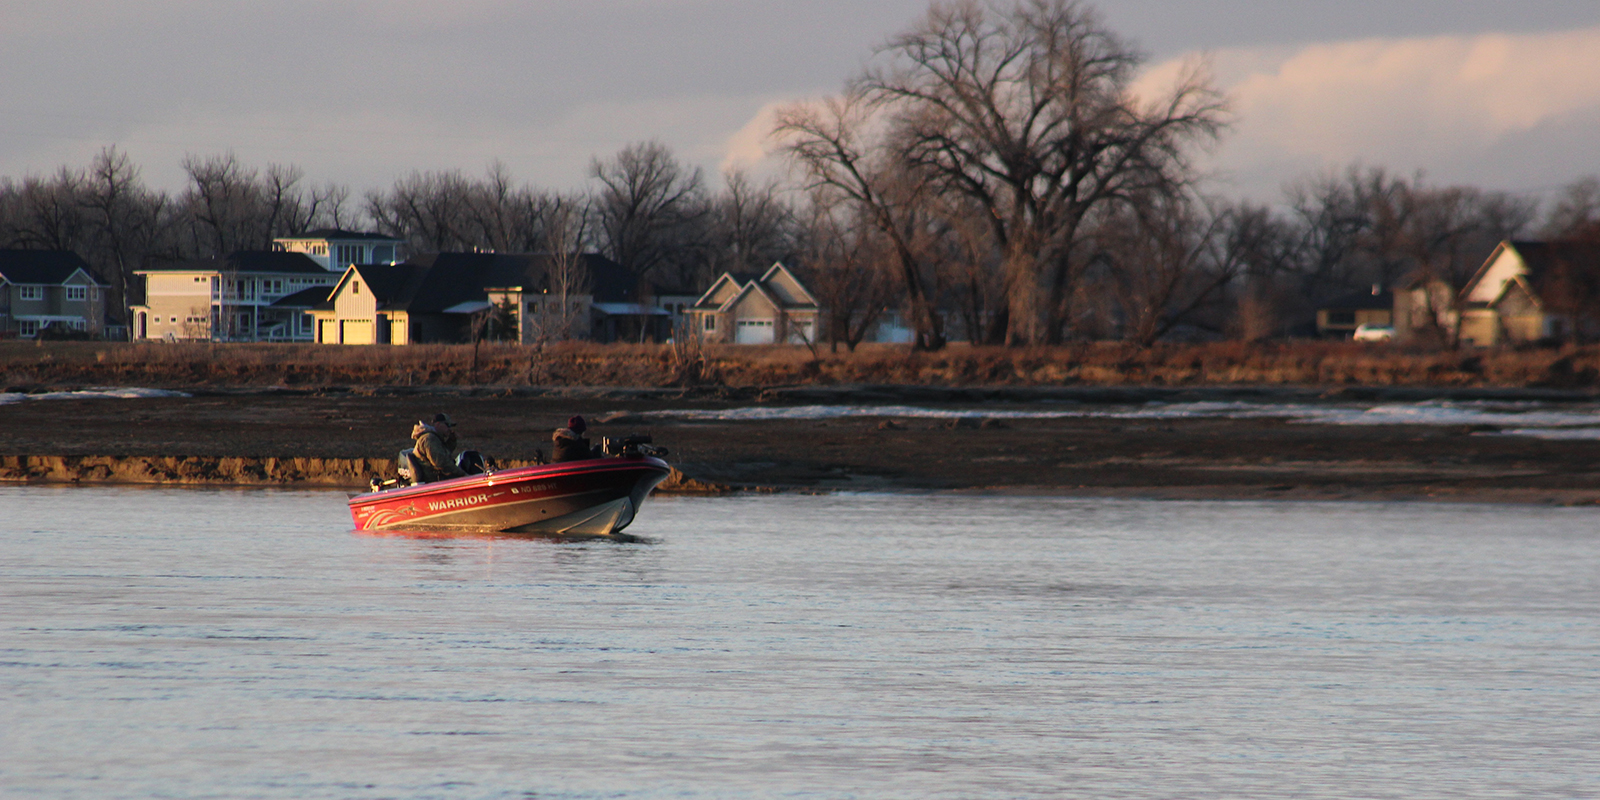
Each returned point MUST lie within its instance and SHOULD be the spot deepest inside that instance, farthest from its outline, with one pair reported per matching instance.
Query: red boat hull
(598, 497)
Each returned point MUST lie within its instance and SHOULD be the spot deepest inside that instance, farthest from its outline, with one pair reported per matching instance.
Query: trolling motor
(632, 445)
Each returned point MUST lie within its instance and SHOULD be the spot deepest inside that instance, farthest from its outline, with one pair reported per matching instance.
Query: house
(600, 301)
(1425, 308)
(371, 304)
(766, 309)
(1341, 317)
(336, 249)
(1528, 291)
(456, 297)
(241, 298)
(42, 289)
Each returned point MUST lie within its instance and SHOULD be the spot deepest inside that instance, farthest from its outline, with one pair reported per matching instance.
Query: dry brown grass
(579, 364)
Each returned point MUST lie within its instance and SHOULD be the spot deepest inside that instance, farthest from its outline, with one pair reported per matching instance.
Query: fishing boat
(591, 498)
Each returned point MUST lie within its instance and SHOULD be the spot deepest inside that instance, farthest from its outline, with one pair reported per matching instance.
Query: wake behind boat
(594, 497)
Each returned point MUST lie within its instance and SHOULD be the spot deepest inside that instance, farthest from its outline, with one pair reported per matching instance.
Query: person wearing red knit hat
(570, 443)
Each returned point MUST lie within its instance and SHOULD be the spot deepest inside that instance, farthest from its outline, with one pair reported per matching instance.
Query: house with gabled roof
(370, 304)
(443, 297)
(1528, 291)
(773, 307)
(44, 289)
(238, 298)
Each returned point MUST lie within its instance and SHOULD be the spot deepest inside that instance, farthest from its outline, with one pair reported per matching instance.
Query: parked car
(1373, 333)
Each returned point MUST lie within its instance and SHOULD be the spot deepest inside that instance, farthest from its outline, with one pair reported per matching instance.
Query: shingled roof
(48, 267)
(455, 278)
(247, 261)
(344, 235)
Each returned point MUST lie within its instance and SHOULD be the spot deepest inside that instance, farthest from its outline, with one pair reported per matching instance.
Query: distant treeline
(991, 174)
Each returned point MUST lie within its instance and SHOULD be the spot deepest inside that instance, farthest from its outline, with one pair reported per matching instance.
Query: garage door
(357, 331)
(754, 331)
(328, 331)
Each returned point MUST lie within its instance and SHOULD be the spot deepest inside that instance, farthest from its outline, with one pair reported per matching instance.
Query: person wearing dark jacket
(431, 457)
(446, 428)
(570, 444)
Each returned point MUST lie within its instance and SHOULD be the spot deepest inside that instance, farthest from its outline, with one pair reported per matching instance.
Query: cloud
(1439, 104)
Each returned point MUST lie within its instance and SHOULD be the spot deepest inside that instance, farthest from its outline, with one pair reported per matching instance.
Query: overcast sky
(1505, 95)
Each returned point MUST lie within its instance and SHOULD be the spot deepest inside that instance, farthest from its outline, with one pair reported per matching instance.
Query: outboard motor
(408, 468)
(472, 462)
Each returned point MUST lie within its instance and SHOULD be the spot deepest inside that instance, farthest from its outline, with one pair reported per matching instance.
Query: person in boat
(570, 443)
(446, 428)
(431, 457)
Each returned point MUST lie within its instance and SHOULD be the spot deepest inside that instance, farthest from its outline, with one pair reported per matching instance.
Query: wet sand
(224, 437)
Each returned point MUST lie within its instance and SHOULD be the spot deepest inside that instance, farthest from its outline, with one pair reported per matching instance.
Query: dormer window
(77, 293)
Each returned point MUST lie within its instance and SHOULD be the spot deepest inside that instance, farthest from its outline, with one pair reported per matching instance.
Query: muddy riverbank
(340, 438)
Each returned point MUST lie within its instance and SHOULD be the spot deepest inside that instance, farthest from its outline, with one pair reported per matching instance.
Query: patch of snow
(1561, 422)
(91, 393)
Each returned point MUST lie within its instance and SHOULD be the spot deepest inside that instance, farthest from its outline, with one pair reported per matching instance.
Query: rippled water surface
(194, 643)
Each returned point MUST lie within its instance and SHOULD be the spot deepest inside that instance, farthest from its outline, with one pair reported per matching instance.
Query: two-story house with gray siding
(44, 289)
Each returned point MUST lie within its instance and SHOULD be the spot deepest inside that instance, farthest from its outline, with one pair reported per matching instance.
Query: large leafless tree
(649, 212)
(845, 156)
(1028, 108)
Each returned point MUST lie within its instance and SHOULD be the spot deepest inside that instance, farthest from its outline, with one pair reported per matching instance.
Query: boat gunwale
(533, 471)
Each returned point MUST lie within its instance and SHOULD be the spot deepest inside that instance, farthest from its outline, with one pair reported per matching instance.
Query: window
(27, 327)
(77, 293)
(349, 254)
(30, 293)
(355, 287)
(711, 322)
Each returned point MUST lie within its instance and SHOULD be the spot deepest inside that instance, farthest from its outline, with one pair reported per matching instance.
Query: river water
(239, 644)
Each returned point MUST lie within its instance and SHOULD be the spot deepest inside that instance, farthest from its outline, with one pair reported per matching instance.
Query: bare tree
(1576, 210)
(566, 225)
(843, 159)
(428, 209)
(224, 205)
(751, 227)
(846, 265)
(650, 212)
(128, 216)
(1167, 260)
(1028, 109)
(49, 213)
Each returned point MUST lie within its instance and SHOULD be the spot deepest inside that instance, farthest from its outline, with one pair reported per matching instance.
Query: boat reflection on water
(595, 498)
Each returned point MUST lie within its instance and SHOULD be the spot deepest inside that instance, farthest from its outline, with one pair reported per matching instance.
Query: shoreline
(338, 439)
(341, 476)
